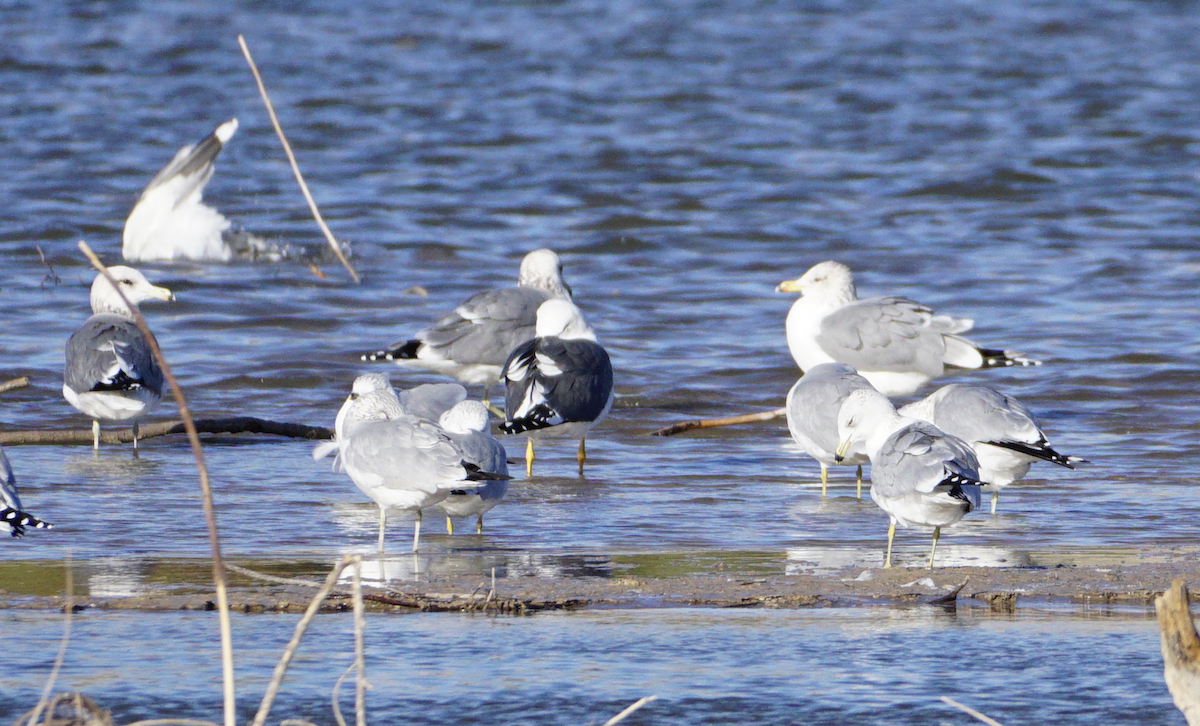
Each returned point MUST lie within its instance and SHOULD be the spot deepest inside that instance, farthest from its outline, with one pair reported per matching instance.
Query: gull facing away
(169, 221)
(471, 343)
(812, 415)
(10, 504)
(559, 383)
(896, 344)
(110, 373)
(467, 426)
(1003, 432)
(919, 475)
(401, 461)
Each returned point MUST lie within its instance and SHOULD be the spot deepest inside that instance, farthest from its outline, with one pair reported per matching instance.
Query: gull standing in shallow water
(169, 221)
(559, 383)
(812, 415)
(10, 503)
(401, 461)
(1003, 432)
(896, 344)
(467, 426)
(919, 475)
(471, 343)
(110, 372)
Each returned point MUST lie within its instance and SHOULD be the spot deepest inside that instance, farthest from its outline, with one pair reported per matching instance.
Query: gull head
(863, 415)
(465, 417)
(365, 407)
(561, 319)
(827, 279)
(542, 270)
(133, 284)
(364, 384)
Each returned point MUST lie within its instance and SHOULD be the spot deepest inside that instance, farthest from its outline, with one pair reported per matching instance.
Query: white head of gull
(559, 383)
(110, 372)
(919, 474)
(896, 344)
(472, 342)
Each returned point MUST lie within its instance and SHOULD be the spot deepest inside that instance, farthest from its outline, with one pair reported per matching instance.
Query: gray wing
(430, 400)
(813, 405)
(887, 334)
(919, 457)
(405, 454)
(8, 485)
(192, 164)
(486, 327)
(979, 413)
(482, 449)
(108, 352)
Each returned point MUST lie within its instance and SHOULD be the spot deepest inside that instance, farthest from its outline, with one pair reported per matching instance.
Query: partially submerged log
(708, 423)
(234, 425)
(1180, 649)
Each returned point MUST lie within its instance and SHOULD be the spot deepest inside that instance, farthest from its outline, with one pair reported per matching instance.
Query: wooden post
(1180, 649)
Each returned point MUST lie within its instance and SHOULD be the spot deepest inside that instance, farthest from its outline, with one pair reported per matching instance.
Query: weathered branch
(233, 425)
(1180, 649)
(707, 423)
(14, 384)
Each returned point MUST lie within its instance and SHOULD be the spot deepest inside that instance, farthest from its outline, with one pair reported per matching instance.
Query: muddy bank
(1062, 587)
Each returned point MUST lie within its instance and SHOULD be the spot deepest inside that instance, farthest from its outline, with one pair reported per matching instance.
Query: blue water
(1030, 165)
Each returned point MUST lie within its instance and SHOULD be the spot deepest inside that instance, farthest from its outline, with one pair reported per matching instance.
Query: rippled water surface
(1028, 165)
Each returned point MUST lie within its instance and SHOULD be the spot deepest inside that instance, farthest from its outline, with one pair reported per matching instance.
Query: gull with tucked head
(919, 475)
(896, 344)
(110, 372)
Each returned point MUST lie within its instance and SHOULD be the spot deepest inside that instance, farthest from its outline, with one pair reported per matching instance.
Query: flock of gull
(432, 446)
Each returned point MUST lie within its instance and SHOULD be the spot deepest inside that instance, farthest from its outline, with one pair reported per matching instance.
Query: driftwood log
(1180, 649)
(234, 425)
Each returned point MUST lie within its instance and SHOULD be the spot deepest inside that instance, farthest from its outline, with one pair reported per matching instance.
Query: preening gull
(169, 221)
(401, 461)
(1004, 433)
(559, 383)
(467, 426)
(919, 474)
(812, 415)
(110, 372)
(896, 344)
(471, 343)
(10, 503)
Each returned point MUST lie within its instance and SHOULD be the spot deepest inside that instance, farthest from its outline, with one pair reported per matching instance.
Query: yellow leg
(860, 481)
(887, 563)
(937, 532)
(995, 498)
(449, 525)
(529, 457)
(417, 531)
(582, 456)
(96, 434)
(824, 479)
(479, 525)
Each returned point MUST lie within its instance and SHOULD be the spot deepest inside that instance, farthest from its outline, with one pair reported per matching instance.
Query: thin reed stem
(210, 515)
(967, 709)
(62, 648)
(360, 626)
(287, 149)
(629, 710)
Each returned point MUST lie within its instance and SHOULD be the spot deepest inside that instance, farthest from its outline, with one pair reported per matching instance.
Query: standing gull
(812, 415)
(559, 383)
(1003, 432)
(169, 221)
(471, 343)
(919, 475)
(10, 503)
(896, 344)
(110, 372)
(401, 461)
(467, 426)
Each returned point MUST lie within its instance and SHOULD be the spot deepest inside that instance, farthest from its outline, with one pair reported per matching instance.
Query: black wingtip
(1040, 450)
(18, 521)
(993, 358)
(407, 350)
(474, 473)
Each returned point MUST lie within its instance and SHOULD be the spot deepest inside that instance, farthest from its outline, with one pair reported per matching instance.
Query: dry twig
(14, 384)
(707, 423)
(1180, 650)
(967, 709)
(632, 707)
(62, 648)
(360, 626)
(287, 149)
(206, 491)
